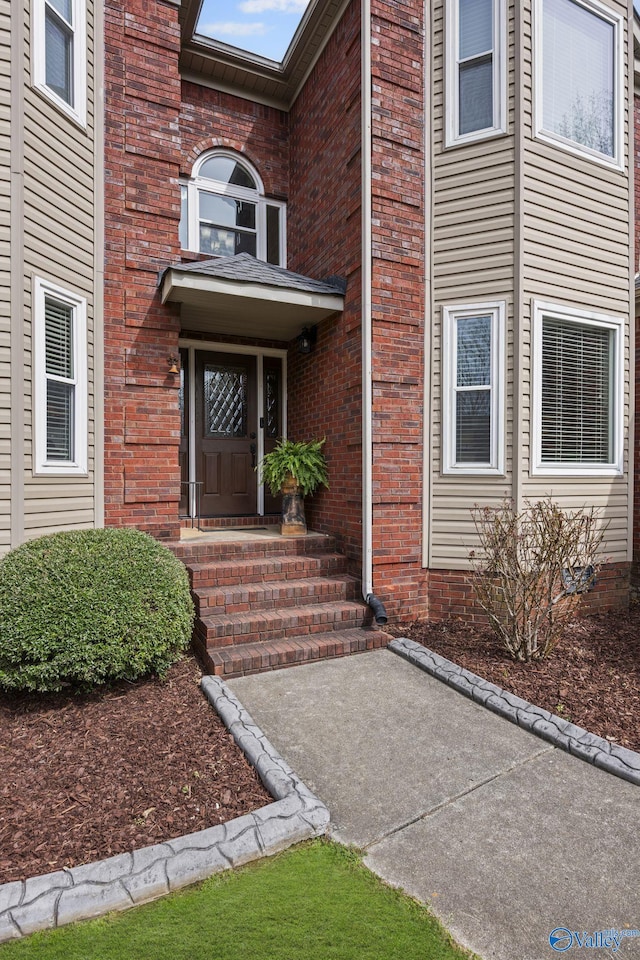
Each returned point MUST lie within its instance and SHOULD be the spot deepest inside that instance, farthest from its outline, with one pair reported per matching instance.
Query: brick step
(255, 627)
(235, 523)
(228, 573)
(247, 658)
(274, 594)
(216, 547)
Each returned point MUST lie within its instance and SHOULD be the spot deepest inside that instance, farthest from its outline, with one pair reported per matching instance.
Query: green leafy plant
(87, 607)
(304, 461)
(532, 570)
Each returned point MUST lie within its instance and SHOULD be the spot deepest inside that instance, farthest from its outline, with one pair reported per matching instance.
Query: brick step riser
(252, 549)
(239, 631)
(278, 596)
(243, 661)
(221, 574)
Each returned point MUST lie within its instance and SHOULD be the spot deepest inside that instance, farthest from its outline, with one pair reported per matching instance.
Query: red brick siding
(325, 239)
(156, 126)
(398, 303)
(142, 155)
(451, 594)
(209, 118)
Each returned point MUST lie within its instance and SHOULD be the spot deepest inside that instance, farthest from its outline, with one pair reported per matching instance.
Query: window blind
(58, 318)
(60, 427)
(576, 393)
(59, 349)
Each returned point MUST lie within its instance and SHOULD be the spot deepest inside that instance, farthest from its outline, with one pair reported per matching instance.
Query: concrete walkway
(505, 837)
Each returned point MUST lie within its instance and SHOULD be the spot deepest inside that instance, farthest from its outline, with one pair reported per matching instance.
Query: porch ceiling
(246, 297)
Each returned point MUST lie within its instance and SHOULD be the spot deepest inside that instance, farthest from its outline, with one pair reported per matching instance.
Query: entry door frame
(213, 346)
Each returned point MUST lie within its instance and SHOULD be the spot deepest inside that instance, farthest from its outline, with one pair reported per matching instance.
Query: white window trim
(196, 184)
(499, 127)
(42, 466)
(557, 140)
(496, 309)
(556, 311)
(78, 111)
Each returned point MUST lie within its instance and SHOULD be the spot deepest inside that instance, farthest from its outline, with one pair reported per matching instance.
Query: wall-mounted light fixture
(307, 340)
(173, 364)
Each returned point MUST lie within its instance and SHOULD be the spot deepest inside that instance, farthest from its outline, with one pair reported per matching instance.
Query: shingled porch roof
(243, 295)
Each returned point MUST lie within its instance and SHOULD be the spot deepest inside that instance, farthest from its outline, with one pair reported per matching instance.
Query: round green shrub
(87, 607)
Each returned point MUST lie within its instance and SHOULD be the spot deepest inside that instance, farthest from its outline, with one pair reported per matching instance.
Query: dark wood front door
(226, 424)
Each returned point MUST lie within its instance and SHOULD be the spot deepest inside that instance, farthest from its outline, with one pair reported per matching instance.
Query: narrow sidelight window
(59, 54)
(476, 70)
(473, 375)
(60, 380)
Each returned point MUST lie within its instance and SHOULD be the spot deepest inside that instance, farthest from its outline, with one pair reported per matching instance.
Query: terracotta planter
(293, 522)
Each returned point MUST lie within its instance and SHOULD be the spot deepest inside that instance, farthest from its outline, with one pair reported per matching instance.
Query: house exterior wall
(157, 126)
(636, 355)
(5, 276)
(516, 219)
(508, 219)
(473, 252)
(324, 239)
(51, 190)
(142, 202)
(400, 199)
(577, 250)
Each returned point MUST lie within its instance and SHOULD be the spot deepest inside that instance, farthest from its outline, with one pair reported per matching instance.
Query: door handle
(252, 449)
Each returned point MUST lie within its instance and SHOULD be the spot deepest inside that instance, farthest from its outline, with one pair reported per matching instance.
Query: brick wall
(398, 303)
(451, 594)
(325, 388)
(156, 126)
(142, 156)
(209, 118)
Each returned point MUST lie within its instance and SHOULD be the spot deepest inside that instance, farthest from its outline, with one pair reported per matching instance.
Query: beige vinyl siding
(473, 224)
(59, 188)
(575, 252)
(5, 275)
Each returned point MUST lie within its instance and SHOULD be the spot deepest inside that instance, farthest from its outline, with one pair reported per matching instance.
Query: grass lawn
(313, 902)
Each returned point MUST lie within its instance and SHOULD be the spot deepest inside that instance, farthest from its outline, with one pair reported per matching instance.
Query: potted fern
(295, 469)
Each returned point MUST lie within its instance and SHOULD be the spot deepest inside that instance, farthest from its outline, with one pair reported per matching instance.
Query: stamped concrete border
(561, 733)
(128, 879)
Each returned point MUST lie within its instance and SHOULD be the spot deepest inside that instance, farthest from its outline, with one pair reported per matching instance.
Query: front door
(225, 433)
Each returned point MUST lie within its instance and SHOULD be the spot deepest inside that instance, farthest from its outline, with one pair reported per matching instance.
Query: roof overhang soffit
(249, 309)
(225, 67)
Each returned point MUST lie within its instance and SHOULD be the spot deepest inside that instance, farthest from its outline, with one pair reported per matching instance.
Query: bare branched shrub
(533, 568)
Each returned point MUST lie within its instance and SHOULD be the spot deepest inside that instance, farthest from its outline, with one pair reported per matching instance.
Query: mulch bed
(88, 776)
(592, 677)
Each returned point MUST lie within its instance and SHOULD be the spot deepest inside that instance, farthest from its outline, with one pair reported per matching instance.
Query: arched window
(224, 211)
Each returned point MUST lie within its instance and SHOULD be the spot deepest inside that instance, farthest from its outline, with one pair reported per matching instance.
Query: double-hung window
(476, 91)
(578, 88)
(578, 392)
(224, 211)
(473, 388)
(59, 60)
(60, 380)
